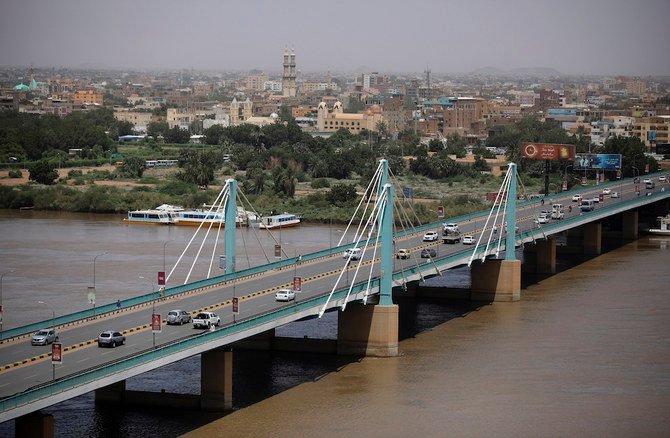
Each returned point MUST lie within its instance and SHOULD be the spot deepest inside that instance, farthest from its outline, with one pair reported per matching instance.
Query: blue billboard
(598, 161)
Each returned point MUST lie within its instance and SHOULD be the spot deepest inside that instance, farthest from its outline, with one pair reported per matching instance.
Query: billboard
(547, 151)
(598, 161)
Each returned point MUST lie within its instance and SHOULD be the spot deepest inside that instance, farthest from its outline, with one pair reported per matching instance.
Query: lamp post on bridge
(93, 297)
(53, 324)
(153, 308)
(565, 175)
(164, 245)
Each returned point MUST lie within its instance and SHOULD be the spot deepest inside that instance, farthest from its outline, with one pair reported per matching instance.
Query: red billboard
(57, 353)
(297, 283)
(161, 278)
(236, 306)
(547, 151)
(156, 323)
(440, 211)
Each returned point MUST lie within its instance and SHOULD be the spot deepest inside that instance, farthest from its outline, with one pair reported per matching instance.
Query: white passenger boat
(174, 215)
(161, 215)
(663, 226)
(283, 220)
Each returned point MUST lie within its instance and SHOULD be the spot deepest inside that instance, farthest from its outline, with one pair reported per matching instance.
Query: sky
(592, 37)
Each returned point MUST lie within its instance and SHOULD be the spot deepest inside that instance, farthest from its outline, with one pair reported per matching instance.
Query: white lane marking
(5, 384)
(30, 377)
(83, 360)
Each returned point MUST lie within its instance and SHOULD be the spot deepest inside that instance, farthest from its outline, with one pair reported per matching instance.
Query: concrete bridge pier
(629, 226)
(496, 280)
(592, 238)
(216, 380)
(34, 425)
(540, 257)
(114, 393)
(368, 330)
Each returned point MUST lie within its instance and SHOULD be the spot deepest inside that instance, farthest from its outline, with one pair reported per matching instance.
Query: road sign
(56, 353)
(278, 251)
(440, 211)
(618, 174)
(156, 326)
(91, 295)
(297, 284)
(408, 192)
(161, 278)
(236, 306)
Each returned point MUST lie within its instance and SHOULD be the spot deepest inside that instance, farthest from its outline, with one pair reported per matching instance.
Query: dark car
(428, 253)
(111, 338)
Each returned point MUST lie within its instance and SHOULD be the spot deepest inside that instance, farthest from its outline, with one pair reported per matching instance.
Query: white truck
(557, 211)
(450, 234)
(206, 320)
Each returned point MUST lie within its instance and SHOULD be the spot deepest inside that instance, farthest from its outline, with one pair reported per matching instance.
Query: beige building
(140, 120)
(466, 116)
(256, 82)
(652, 130)
(331, 120)
(240, 111)
(80, 97)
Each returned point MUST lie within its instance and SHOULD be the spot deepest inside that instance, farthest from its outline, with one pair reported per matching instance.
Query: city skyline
(574, 38)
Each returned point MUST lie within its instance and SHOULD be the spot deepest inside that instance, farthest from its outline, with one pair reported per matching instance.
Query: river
(584, 353)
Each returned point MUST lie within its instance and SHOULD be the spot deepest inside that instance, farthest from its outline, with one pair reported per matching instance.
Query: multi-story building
(466, 116)
(289, 88)
(240, 111)
(331, 120)
(91, 97)
(256, 82)
(140, 120)
(274, 86)
(652, 130)
(395, 116)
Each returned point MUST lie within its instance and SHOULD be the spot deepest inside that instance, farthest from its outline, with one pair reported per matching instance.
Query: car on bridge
(285, 295)
(543, 218)
(614, 195)
(430, 236)
(662, 178)
(44, 337)
(607, 191)
(178, 317)
(110, 338)
(468, 240)
(206, 320)
(449, 228)
(428, 253)
(352, 253)
(646, 180)
(576, 197)
(403, 253)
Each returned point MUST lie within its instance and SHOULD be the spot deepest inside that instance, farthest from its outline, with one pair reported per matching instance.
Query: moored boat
(663, 226)
(283, 220)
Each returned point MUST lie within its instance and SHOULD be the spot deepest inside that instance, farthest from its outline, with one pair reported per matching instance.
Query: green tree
(198, 166)
(342, 194)
(213, 134)
(177, 135)
(156, 129)
(133, 167)
(42, 172)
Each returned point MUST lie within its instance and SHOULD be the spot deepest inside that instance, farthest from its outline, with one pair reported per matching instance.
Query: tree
(284, 181)
(177, 135)
(42, 172)
(156, 129)
(133, 167)
(342, 194)
(198, 166)
(213, 134)
(255, 181)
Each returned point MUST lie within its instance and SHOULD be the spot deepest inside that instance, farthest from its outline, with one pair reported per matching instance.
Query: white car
(468, 240)
(646, 180)
(596, 199)
(542, 219)
(430, 236)
(576, 198)
(285, 295)
(607, 191)
(353, 253)
(614, 195)
(206, 320)
(662, 178)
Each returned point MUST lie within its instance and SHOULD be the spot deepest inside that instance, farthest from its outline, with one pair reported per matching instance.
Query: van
(587, 205)
(352, 253)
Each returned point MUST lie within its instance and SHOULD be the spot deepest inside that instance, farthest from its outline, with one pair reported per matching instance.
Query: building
(256, 82)
(331, 120)
(240, 111)
(289, 88)
(652, 130)
(91, 97)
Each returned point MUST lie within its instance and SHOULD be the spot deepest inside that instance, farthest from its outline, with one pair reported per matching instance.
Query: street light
(153, 309)
(1, 309)
(94, 259)
(164, 245)
(53, 314)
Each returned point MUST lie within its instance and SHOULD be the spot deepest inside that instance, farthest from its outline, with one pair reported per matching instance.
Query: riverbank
(584, 353)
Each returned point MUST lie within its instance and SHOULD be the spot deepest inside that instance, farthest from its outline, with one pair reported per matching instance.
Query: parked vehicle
(285, 295)
(428, 253)
(178, 317)
(206, 320)
(353, 253)
(110, 338)
(44, 337)
(468, 240)
(403, 253)
(430, 236)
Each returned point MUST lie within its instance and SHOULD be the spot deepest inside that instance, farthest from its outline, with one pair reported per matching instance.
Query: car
(662, 178)
(542, 219)
(614, 195)
(352, 253)
(428, 253)
(285, 295)
(403, 253)
(178, 317)
(450, 228)
(468, 240)
(646, 180)
(577, 198)
(430, 236)
(596, 199)
(44, 337)
(110, 338)
(607, 191)
(206, 320)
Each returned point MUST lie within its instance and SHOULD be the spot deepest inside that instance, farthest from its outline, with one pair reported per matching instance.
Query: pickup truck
(206, 320)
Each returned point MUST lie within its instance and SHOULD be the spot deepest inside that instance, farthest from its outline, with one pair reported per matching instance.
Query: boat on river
(663, 226)
(283, 220)
(175, 215)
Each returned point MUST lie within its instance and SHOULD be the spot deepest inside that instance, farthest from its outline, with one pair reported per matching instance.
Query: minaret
(289, 76)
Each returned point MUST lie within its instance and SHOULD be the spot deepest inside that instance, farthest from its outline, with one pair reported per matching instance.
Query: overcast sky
(572, 36)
